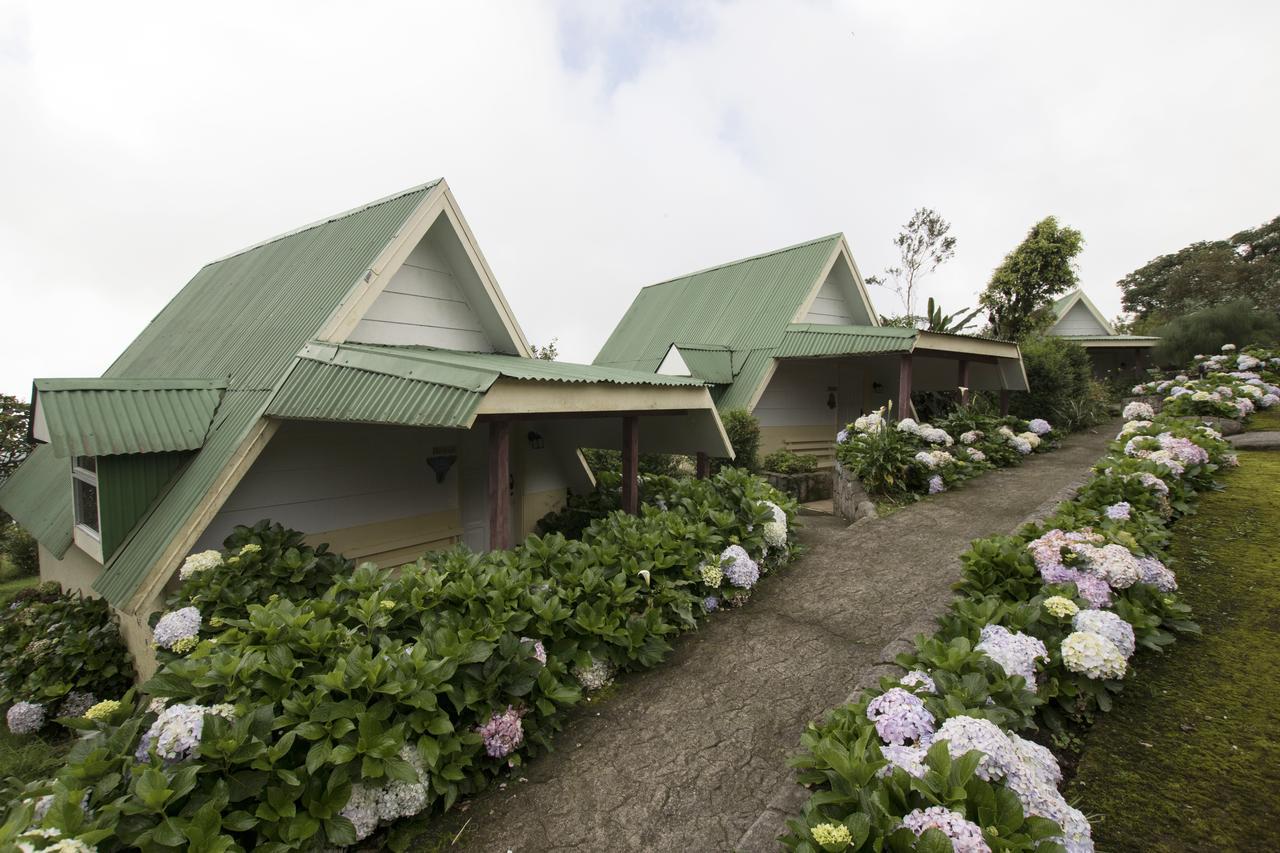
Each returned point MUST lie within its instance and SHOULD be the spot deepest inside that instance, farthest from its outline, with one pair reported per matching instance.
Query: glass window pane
(87, 463)
(87, 505)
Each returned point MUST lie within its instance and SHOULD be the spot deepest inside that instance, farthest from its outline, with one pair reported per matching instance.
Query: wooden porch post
(963, 381)
(1004, 402)
(904, 387)
(630, 464)
(499, 485)
(703, 468)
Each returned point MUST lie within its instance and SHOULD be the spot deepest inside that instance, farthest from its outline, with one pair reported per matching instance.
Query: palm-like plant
(952, 324)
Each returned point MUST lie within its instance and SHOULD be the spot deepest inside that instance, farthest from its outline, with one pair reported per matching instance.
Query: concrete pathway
(1261, 440)
(688, 755)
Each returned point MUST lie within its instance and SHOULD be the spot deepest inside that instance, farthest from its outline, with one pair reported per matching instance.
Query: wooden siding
(424, 304)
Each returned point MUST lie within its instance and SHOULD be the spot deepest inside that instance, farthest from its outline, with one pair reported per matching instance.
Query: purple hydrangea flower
(503, 734)
(539, 650)
(25, 718)
(1157, 574)
(965, 836)
(918, 678)
(739, 569)
(1107, 624)
(176, 733)
(1016, 652)
(900, 717)
(936, 485)
(711, 604)
(175, 626)
(1039, 426)
(1119, 511)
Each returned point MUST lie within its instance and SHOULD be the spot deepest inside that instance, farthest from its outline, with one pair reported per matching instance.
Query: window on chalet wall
(84, 477)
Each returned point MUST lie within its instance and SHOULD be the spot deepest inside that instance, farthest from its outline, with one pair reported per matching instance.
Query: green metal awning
(420, 386)
(710, 363)
(105, 417)
(812, 340)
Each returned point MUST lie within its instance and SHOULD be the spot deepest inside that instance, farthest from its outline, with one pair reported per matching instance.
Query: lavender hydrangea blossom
(739, 569)
(965, 836)
(1119, 511)
(503, 734)
(176, 733)
(1157, 574)
(177, 628)
(1109, 625)
(918, 678)
(936, 485)
(900, 717)
(539, 650)
(907, 758)
(1039, 426)
(25, 718)
(1016, 652)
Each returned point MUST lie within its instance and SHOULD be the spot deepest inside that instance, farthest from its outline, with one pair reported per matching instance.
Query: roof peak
(834, 236)
(327, 219)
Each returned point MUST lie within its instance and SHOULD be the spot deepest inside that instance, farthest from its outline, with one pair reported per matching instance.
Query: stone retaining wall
(810, 486)
(849, 500)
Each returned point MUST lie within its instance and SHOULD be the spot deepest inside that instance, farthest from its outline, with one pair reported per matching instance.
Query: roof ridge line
(325, 220)
(758, 257)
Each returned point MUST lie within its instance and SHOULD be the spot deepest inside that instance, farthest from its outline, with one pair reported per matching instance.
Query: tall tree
(924, 244)
(1042, 267)
(13, 439)
(550, 352)
(1245, 266)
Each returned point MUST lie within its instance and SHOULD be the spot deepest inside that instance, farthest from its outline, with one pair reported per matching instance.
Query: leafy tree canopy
(1246, 266)
(1021, 289)
(13, 434)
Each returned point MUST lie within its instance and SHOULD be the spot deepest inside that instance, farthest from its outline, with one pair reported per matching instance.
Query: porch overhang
(989, 364)
(418, 386)
(1112, 341)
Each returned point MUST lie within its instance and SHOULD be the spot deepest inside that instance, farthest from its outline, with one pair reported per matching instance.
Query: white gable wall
(426, 304)
(1079, 321)
(673, 364)
(838, 302)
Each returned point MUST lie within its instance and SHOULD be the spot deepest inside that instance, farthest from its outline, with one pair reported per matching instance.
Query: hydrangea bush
(906, 459)
(313, 714)
(1049, 624)
(58, 651)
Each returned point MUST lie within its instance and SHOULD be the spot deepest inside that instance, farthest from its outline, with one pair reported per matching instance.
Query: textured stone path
(1262, 440)
(688, 755)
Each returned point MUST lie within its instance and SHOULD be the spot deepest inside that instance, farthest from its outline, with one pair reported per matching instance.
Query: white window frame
(84, 475)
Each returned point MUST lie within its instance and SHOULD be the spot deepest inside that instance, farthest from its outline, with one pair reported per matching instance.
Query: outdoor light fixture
(535, 440)
(877, 387)
(441, 460)
(831, 398)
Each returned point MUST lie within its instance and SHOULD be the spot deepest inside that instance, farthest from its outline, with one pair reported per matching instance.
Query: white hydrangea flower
(1138, 410)
(775, 531)
(1060, 607)
(1093, 655)
(596, 676)
(177, 628)
(908, 425)
(970, 437)
(1107, 624)
(201, 562)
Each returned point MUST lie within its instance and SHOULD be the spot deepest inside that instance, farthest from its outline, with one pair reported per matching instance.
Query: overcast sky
(596, 148)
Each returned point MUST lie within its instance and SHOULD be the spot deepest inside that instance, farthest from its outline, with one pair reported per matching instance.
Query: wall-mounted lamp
(536, 441)
(877, 387)
(441, 464)
(831, 399)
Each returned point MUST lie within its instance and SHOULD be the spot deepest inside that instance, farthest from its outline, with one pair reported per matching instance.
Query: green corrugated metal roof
(708, 363)
(242, 320)
(326, 391)
(537, 369)
(1062, 303)
(419, 386)
(1135, 339)
(38, 496)
(814, 340)
(103, 417)
(744, 306)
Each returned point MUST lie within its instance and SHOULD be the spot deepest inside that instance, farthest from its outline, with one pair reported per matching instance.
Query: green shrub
(21, 550)
(54, 643)
(376, 678)
(605, 461)
(1060, 377)
(1205, 331)
(790, 462)
(744, 437)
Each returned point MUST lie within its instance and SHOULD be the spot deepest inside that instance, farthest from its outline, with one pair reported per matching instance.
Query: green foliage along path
(1189, 760)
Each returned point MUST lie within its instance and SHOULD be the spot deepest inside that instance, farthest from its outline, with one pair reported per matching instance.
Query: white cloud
(595, 153)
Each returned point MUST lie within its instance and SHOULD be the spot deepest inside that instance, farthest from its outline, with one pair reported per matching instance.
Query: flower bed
(304, 704)
(906, 459)
(59, 653)
(1233, 384)
(1041, 639)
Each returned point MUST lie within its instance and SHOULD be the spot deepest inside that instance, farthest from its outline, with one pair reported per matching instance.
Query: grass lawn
(1189, 759)
(1268, 420)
